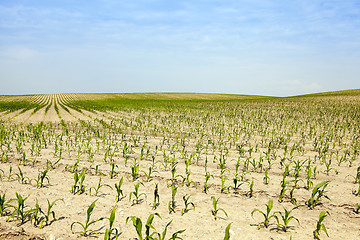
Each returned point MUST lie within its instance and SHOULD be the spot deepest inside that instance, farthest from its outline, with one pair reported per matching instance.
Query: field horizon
(186, 94)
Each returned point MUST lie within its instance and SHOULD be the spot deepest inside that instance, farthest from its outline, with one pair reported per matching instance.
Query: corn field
(180, 166)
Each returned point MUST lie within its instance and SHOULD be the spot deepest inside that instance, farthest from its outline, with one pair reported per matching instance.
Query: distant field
(183, 156)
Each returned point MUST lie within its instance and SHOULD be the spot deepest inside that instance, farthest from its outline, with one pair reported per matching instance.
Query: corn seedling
(35, 215)
(237, 185)
(4, 205)
(97, 188)
(266, 177)
(172, 181)
(215, 211)
(156, 197)
(78, 179)
(267, 216)
(137, 223)
(163, 234)
(357, 208)
(317, 193)
(223, 188)
(356, 177)
(250, 193)
(41, 178)
(315, 172)
(172, 203)
(119, 191)
(187, 203)
(328, 166)
(21, 178)
(205, 188)
(186, 179)
(357, 193)
(74, 167)
(309, 183)
(320, 225)
(136, 194)
(111, 230)
(20, 212)
(134, 171)
(112, 170)
(227, 232)
(49, 212)
(1, 174)
(85, 227)
(286, 218)
(98, 172)
(149, 174)
(284, 184)
(52, 165)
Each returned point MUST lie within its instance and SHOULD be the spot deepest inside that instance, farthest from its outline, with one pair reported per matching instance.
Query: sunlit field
(180, 166)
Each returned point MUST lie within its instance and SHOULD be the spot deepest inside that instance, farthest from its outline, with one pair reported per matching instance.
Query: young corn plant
(35, 217)
(172, 180)
(42, 176)
(224, 188)
(250, 193)
(119, 191)
(283, 184)
(172, 203)
(148, 175)
(134, 170)
(186, 179)
(20, 213)
(315, 172)
(1, 174)
(316, 195)
(356, 177)
(237, 185)
(267, 216)
(286, 218)
(21, 178)
(85, 231)
(357, 208)
(98, 172)
(52, 165)
(78, 179)
(111, 230)
(174, 236)
(156, 197)
(187, 203)
(320, 225)
(48, 213)
(357, 193)
(74, 167)
(205, 188)
(4, 205)
(97, 188)
(215, 211)
(137, 195)
(112, 170)
(10, 175)
(328, 166)
(137, 223)
(227, 232)
(266, 177)
(309, 183)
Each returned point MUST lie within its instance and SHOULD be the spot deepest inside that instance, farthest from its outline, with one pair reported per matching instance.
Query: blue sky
(263, 47)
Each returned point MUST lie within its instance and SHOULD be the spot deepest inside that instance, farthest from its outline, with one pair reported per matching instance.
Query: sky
(261, 47)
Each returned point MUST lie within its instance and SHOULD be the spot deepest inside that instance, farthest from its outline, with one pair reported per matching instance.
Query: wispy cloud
(240, 43)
